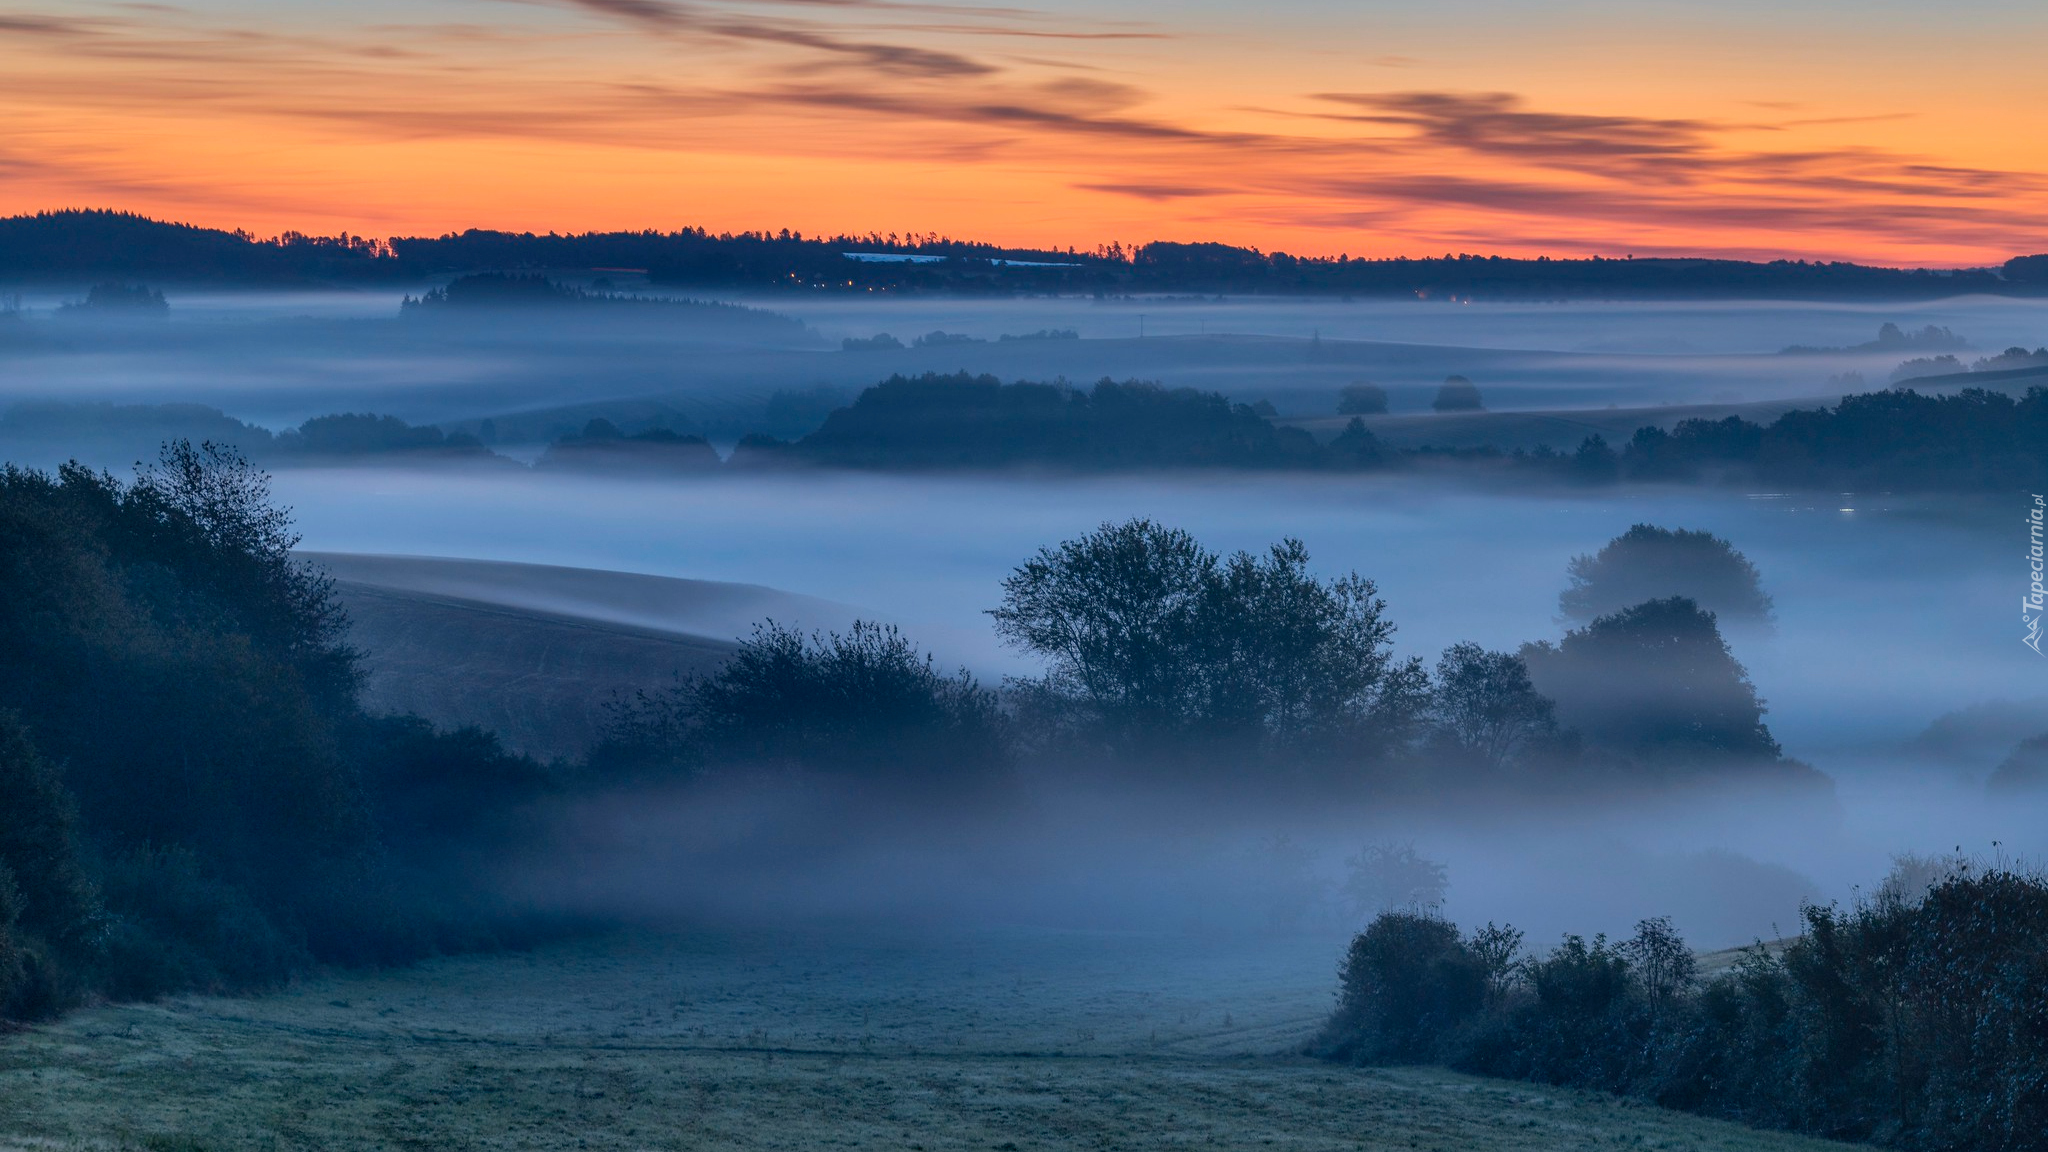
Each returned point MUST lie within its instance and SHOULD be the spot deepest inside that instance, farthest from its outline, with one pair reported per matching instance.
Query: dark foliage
(966, 421)
(879, 342)
(190, 676)
(863, 706)
(72, 244)
(50, 918)
(1361, 399)
(120, 299)
(1973, 440)
(1406, 982)
(1657, 683)
(1485, 712)
(1647, 562)
(1457, 394)
(1154, 643)
(602, 447)
(1916, 1023)
(365, 434)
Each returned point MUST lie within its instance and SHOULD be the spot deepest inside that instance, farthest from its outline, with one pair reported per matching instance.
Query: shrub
(1407, 981)
(863, 705)
(1917, 1024)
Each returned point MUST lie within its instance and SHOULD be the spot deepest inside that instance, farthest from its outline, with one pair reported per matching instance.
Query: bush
(864, 705)
(174, 927)
(1917, 1024)
(1407, 981)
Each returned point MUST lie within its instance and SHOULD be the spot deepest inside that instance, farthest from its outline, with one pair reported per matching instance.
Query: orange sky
(1871, 131)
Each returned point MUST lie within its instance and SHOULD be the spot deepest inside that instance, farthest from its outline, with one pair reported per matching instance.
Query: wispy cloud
(1083, 126)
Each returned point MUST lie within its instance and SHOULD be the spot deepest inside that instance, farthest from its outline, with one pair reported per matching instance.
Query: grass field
(758, 1040)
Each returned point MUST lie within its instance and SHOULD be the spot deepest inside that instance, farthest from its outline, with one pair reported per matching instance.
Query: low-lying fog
(277, 359)
(1890, 612)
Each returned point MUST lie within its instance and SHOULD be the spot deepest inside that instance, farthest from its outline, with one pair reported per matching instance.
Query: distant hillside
(539, 680)
(533, 651)
(78, 245)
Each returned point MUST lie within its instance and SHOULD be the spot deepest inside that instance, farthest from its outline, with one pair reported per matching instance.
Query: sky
(1872, 130)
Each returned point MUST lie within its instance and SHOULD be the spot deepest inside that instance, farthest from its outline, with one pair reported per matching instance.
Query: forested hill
(73, 245)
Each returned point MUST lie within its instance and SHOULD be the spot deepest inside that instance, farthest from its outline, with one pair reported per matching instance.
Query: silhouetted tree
(1393, 878)
(1457, 394)
(1406, 981)
(1361, 399)
(1657, 682)
(863, 705)
(1647, 562)
(1154, 641)
(50, 917)
(1484, 708)
(1356, 447)
(1595, 462)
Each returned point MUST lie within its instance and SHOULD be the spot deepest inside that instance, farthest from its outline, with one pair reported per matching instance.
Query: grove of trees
(193, 798)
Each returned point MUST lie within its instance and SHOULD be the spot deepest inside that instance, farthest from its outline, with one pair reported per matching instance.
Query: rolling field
(759, 1040)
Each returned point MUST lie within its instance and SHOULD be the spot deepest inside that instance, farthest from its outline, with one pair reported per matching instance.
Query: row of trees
(1893, 440)
(1975, 439)
(191, 795)
(1917, 1019)
(100, 243)
(1245, 671)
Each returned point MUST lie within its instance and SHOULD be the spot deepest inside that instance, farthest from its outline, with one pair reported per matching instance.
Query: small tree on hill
(1361, 399)
(1457, 394)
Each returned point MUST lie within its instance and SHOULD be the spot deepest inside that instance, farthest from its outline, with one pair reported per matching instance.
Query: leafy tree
(1150, 638)
(1647, 562)
(1499, 949)
(1361, 399)
(1457, 394)
(1484, 708)
(1356, 446)
(1655, 681)
(1117, 614)
(1594, 462)
(1663, 964)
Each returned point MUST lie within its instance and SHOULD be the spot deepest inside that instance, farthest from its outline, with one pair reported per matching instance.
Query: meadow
(905, 1038)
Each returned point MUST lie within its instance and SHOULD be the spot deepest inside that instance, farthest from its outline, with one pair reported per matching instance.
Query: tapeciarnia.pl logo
(2031, 607)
